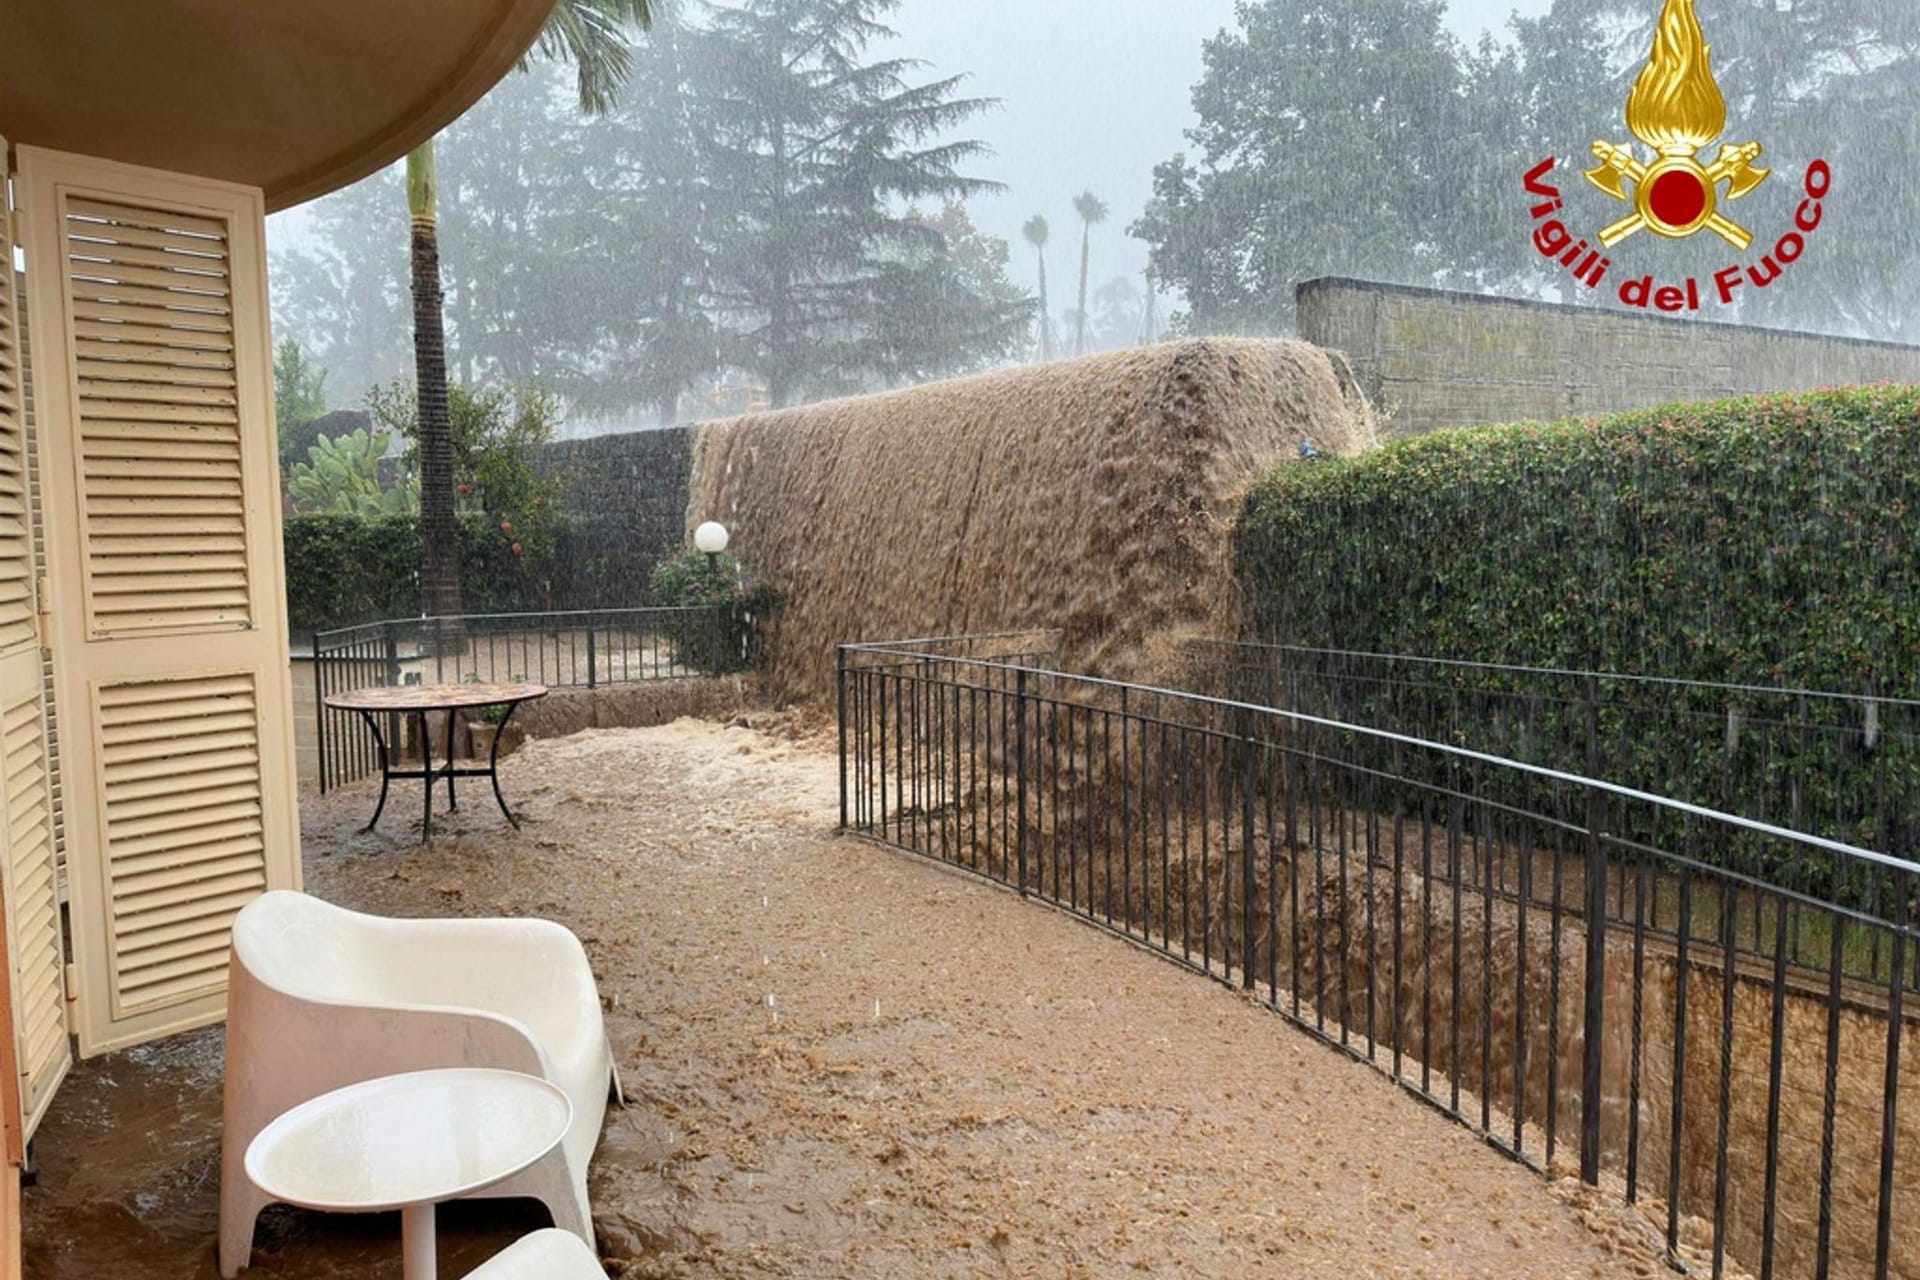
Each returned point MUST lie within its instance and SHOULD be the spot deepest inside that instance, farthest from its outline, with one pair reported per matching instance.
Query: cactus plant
(343, 478)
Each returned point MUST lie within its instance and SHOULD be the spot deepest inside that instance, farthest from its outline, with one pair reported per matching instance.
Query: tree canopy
(1359, 137)
(765, 198)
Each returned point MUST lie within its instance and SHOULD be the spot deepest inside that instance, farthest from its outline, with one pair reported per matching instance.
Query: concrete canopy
(296, 97)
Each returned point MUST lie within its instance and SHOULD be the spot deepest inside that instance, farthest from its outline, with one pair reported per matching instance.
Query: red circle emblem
(1678, 198)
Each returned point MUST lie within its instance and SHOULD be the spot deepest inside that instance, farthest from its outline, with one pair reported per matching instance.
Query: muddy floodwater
(840, 1061)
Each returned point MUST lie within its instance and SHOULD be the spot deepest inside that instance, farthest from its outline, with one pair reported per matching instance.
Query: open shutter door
(35, 955)
(161, 494)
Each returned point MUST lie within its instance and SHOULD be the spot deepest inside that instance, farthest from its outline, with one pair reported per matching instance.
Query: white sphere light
(711, 538)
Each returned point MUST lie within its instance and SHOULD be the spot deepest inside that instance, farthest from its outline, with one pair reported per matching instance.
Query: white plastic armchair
(320, 997)
(544, 1255)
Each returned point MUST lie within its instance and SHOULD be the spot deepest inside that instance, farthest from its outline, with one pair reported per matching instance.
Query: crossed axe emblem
(1676, 180)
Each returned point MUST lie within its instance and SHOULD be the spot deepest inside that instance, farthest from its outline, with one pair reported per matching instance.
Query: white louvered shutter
(161, 492)
(36, 957)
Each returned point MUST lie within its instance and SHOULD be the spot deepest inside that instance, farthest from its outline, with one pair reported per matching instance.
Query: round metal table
(420, 701)
(408, 1142)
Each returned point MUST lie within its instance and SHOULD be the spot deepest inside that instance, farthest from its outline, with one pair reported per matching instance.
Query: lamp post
(711, 538)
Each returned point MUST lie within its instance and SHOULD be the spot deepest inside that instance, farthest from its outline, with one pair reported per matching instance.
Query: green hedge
(1768, 541)
(343, 570)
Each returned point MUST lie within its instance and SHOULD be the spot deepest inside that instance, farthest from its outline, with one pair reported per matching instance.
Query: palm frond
(592, 36)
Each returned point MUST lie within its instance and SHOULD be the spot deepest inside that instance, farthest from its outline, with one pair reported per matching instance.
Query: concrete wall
(306, 732)
(1430, 359)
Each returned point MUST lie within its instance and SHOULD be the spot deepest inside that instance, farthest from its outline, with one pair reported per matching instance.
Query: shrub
(343, 570)
(1765, 541)
(496, 435)
(718, 640)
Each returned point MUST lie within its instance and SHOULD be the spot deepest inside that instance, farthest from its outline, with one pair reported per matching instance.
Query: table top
(433, 697)
(411, 1139)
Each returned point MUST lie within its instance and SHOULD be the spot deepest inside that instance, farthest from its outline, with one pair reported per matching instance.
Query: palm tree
(591, 34)
(1092, 210)
(1036, 232)
(1150, 322)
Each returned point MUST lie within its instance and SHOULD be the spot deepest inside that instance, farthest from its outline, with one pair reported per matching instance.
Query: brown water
(1090, 495)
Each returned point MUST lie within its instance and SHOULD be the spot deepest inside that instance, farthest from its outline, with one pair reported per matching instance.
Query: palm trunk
(439, 531)
(1080, 316)
(1046, 318)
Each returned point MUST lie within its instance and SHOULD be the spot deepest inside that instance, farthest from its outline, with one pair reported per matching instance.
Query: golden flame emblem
(1677, 109)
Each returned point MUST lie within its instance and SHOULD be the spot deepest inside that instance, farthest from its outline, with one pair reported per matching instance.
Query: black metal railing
(1565, 963)
(587, 649)
(1842, 765)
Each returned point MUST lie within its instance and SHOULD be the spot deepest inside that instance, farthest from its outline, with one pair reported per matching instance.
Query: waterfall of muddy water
(1088, 495)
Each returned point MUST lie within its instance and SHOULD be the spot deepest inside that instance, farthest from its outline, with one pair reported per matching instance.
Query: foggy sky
(1094, 94)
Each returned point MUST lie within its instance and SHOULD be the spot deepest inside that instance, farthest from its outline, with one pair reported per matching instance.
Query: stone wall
(1430, 359)
(626, 499)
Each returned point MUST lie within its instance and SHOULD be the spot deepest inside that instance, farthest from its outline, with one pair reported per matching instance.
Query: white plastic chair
(544, 1255)
(320, 997)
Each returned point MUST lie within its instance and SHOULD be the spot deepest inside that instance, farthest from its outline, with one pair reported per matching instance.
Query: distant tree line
(766, 198)
(1360, 137)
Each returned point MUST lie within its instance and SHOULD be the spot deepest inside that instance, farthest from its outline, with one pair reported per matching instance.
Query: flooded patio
(839, 1061)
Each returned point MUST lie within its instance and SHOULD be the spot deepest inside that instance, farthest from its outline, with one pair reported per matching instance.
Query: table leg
(453, 801)
(386, 766)
(493, 764)
(426, 767)
(417, 1243)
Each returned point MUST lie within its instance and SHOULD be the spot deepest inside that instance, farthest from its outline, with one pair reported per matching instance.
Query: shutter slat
(210, 544)
(139, 411)
(163, 907)
(112, 372)
(184, 322)
(145, 353)
(160, 438)
(179, 227)
(173, 255)
(35, 953)
(186, 843)
(234, 793)
(127, 390)
(161, 286)
(155, 862)
(133, 787)
(132, 773)
(33, 906)
(122, 329)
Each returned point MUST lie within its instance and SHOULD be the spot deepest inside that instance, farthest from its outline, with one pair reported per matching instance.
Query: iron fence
(585, 649)
(1843, 765)
(1576, 968)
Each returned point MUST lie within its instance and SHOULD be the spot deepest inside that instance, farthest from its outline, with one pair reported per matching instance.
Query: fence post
(1020, 773)
(320, 711)
(393, 682)
(592, 664)
(840, 707)
(1594, 1017)
(1247, 931)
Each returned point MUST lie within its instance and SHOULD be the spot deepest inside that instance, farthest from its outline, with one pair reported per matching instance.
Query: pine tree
(821, 154)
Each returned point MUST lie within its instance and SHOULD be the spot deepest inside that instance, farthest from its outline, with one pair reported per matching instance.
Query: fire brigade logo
(1678, 112)
(1676, 108)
